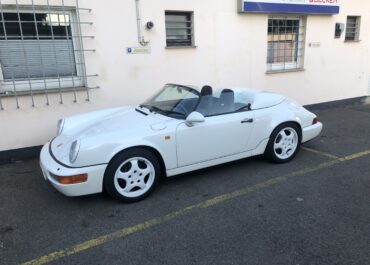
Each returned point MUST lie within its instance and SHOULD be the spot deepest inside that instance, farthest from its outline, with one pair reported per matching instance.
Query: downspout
(140, 37)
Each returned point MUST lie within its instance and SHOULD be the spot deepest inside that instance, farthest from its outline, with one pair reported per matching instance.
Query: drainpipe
(138, 21)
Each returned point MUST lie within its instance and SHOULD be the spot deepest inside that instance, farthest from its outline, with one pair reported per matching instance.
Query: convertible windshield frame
(178, 109)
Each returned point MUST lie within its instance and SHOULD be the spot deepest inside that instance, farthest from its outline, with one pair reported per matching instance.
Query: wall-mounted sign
(138, 50)
(325, 7)
(314, 44)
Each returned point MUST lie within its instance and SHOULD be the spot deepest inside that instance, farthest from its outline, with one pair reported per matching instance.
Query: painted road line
(202, 205)
(320, 152)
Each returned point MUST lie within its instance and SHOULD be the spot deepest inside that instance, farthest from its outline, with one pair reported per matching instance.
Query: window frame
(297, 65)
(47, 83)
(190, 14)
(357, 29)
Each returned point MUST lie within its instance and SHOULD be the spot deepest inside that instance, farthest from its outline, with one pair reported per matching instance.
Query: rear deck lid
(266, 99)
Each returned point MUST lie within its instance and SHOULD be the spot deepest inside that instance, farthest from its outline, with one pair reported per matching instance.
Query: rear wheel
(132, 175)
(284, 143)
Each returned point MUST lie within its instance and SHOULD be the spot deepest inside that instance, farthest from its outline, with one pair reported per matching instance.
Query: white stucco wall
(231, 51)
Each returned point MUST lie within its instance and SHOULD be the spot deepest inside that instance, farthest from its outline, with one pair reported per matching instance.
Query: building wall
(231, 51)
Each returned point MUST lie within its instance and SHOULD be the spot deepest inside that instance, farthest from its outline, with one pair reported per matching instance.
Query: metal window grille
(41, 49)
(353, 28)
(286, 43)
(179, 29)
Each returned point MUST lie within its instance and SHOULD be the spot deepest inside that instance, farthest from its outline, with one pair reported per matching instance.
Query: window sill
(42, 92)
(180, 47)
(352, 41)
(285, 71)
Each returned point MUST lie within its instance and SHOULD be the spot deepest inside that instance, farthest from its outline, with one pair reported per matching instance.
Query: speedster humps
(124, 151)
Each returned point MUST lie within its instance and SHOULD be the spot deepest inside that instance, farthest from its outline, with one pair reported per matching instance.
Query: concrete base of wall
(339, 103)
(11, 156)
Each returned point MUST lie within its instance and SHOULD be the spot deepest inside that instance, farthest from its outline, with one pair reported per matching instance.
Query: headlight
(73, 152)
(60, 127)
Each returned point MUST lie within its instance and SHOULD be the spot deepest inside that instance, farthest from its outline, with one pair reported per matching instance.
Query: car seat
(227, 98)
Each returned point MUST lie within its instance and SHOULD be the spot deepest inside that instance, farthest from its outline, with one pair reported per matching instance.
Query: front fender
(145, 144)
(92, 153)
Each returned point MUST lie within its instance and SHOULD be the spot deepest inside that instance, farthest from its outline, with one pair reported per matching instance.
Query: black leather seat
(206, 91)
(227, 98)
(206, 100)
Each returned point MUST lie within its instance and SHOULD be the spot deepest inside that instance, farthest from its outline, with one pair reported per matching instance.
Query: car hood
(103, 124)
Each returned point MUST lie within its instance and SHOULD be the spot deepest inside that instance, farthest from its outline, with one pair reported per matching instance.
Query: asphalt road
(314, 210)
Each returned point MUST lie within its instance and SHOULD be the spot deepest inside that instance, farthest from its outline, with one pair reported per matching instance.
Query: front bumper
(51, 168)
(311, 132)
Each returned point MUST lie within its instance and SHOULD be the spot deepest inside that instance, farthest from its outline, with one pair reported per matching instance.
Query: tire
(132, 175)
(284, 143)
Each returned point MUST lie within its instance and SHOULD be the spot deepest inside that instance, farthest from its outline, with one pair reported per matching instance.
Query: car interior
(209, 105)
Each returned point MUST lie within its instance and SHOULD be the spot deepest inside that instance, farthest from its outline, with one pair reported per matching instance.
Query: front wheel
(284, 143)
(132, 175)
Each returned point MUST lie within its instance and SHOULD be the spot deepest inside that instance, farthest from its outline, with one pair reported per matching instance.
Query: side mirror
(194, 117)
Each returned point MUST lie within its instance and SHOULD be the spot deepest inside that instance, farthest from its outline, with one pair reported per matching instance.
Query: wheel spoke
(134, 165)
(123, 175)
(285, 151)
(128, 187)
(279, 145)
(285, 135)
(145, 172)
(141, 185)
(282, 136)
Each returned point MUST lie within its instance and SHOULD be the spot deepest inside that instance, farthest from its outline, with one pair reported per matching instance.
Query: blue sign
(326, 7)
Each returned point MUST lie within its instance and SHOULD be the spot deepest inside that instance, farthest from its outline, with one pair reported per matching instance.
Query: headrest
(227, 96)
(206, 91)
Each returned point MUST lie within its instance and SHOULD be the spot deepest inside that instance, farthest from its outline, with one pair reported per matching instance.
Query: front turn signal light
(72, 179)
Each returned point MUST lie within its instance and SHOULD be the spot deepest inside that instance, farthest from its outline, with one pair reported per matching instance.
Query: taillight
(315, 120)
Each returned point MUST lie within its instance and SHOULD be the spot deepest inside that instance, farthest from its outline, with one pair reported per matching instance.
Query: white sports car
(124, 151)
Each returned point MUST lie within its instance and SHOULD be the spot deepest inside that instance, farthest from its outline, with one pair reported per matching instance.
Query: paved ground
(314, 210)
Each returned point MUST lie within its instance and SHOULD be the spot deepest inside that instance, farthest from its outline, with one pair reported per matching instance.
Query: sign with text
(324, 7)
(138, 50)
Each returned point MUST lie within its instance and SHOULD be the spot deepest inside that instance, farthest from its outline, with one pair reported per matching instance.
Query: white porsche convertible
(124, 151)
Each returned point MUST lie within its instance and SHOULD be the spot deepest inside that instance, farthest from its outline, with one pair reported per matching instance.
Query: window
(179, 29)
(353, 28)
(39, 50)
(286, 42)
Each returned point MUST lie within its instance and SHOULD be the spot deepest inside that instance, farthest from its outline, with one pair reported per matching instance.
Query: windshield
(173, 100)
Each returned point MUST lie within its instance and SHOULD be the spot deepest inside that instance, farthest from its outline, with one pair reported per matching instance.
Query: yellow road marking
(319, 152)
(205, 204)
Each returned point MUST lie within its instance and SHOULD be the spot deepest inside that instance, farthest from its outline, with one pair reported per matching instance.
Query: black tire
(270, 152)
(116, 162)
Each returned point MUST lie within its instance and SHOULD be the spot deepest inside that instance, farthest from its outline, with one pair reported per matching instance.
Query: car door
(219, 136)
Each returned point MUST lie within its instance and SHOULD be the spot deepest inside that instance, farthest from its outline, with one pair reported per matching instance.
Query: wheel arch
(279, 123)
(148, 148)
(287, 122)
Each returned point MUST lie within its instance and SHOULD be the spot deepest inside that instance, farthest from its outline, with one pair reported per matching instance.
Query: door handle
(248, 120)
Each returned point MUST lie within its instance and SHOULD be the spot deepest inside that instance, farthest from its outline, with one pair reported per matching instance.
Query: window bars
(286, 43)
(179, 29)
(41, 49)
(353, 28)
